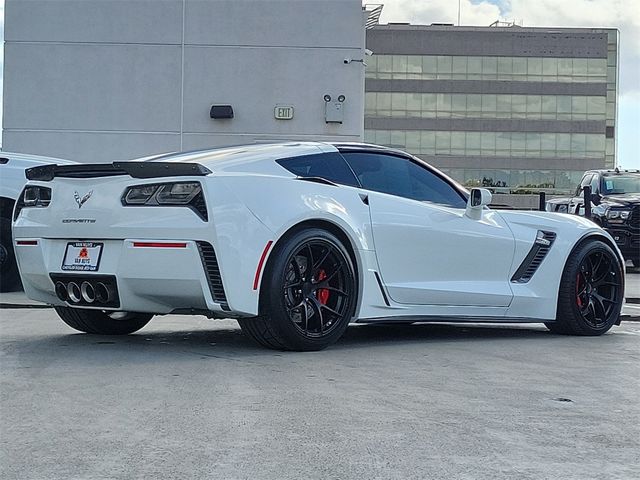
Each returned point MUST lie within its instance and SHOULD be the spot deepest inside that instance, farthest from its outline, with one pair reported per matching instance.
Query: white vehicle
(296, 240)
(12, 180)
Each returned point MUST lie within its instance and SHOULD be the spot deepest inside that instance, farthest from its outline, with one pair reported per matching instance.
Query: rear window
(330, 166)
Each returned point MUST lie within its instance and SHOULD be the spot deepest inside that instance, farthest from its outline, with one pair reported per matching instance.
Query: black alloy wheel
(308, 294)
(591, 291)
(598, 284)
(317, 288)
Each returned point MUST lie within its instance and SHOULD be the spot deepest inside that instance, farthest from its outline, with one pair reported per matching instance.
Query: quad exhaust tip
(61, 291)
(73, 292)
(103, 293)
(86, 292)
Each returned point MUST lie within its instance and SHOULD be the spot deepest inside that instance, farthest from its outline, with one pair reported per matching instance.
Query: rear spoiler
(46, 173)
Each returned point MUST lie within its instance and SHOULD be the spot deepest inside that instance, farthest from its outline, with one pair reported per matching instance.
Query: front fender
(540, 294)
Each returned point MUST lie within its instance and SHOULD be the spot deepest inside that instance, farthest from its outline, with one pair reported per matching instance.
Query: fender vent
(210, 264)
(533, 260)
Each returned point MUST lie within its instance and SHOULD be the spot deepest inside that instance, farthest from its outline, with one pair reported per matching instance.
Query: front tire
(591, 291)
(308, 294)
(101, 323)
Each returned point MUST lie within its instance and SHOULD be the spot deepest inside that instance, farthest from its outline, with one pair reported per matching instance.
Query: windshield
(621, 184)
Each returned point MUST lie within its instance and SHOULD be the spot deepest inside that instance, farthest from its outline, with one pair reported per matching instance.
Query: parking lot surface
(188, 397)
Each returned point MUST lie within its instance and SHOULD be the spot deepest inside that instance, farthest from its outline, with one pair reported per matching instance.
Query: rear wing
(46, 173)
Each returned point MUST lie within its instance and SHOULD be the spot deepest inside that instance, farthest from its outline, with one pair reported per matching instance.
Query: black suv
(615, 206)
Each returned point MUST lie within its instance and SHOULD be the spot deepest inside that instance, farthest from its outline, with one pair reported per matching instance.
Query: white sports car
(12, 181)
(296, 240)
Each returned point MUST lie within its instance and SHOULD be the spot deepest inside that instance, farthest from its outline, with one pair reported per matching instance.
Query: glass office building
(505, 107)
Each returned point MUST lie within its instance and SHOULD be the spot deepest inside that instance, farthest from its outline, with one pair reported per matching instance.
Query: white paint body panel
(12, 179)
(435, 263)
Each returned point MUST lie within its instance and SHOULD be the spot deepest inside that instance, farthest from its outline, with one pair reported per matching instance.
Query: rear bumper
(183, 275)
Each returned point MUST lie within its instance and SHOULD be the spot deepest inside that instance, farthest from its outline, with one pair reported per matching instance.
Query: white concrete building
(97, 80)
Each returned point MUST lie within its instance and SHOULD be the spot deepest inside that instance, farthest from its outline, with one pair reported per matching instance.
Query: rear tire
(591, 291)
(308, 294)
(9, 276)
(100, 323)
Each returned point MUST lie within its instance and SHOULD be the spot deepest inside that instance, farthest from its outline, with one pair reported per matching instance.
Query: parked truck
(615, 206)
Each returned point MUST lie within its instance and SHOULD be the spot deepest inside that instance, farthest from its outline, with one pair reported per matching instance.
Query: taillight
(32, 196)
(186, 194)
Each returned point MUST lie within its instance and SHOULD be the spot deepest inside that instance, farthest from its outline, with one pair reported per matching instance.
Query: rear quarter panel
(281, 203)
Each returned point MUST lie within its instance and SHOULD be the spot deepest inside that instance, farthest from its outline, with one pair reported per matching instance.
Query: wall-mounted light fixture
(221, 111)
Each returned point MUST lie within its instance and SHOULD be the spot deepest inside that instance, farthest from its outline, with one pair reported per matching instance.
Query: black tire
(636, 262)
(9, 276)
(100, 323)
(302, 308)
(591, 291)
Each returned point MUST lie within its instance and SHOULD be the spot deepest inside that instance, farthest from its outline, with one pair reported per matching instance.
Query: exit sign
(283, 112)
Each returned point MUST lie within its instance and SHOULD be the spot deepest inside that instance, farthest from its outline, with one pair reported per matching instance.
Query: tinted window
(330, 166)
(586, 180)
(402, 177)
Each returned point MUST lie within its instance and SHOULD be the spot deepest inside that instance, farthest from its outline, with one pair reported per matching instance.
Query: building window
(471, 105)
(527, 69)
(493, 144)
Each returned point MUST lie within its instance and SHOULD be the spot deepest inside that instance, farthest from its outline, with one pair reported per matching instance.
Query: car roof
(260, 158)
(613, 171)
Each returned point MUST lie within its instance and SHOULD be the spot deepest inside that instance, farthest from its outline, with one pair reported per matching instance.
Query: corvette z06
(297, 240)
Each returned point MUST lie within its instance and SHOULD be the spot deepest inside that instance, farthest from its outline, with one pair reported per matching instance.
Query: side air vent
(210, 264)
(533, 260)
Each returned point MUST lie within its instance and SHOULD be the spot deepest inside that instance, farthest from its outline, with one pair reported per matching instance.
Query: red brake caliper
(322, 294)
(578, 290)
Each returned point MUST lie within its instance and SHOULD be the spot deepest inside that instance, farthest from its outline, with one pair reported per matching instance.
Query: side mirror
(595, 198)
(477, 200)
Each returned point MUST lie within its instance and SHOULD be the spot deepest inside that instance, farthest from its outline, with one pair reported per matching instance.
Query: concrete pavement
(188, 397)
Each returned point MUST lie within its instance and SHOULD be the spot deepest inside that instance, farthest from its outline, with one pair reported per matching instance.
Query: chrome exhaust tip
(61, 291)
(102, 293)
(73, 292)
(88, 292)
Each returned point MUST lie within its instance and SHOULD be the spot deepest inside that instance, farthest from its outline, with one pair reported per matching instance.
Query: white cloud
(439, 11)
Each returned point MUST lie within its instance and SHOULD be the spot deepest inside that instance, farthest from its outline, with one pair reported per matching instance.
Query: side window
(402, 177)
(330, 166)
(586, 180)
(595, 184)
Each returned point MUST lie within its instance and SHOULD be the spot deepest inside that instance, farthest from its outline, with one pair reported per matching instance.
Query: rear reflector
(256, 279)
(160, 244)
(26, 242)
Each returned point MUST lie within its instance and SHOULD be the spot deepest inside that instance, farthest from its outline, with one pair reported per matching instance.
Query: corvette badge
(80, 201)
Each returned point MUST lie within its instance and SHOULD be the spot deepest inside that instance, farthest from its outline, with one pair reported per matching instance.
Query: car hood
(622, 199)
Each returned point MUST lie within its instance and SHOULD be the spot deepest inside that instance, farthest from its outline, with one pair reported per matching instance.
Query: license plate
(83, 256)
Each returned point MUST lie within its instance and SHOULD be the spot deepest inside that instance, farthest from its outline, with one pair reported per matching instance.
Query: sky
(621, 14)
